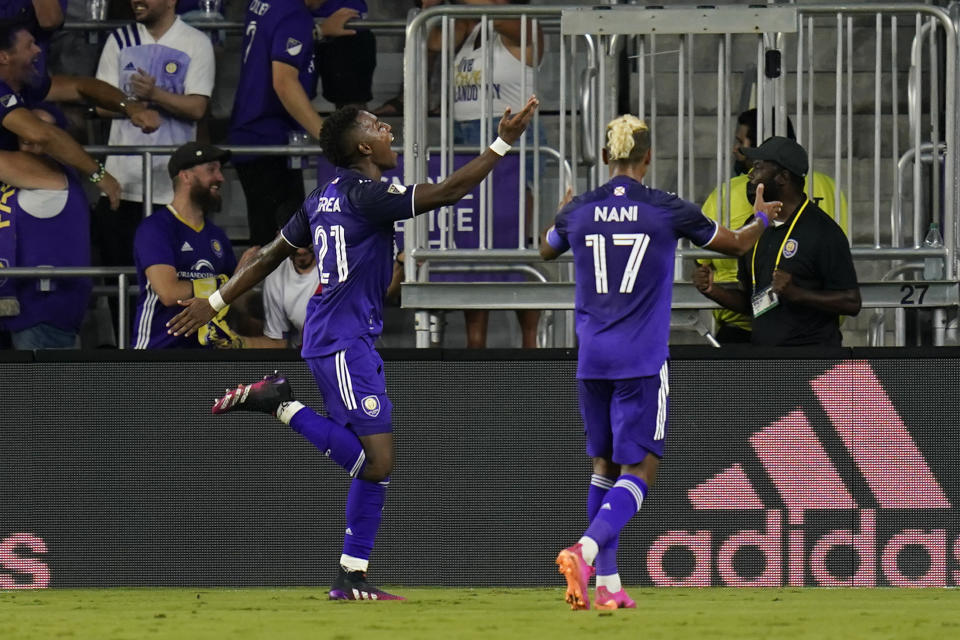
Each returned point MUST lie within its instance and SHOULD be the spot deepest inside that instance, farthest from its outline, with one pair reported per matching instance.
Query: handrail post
(122, 311)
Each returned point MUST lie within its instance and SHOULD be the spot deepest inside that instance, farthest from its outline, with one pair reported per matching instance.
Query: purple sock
(606, 562)
(335, 441)
(364, 506)
(624, 501)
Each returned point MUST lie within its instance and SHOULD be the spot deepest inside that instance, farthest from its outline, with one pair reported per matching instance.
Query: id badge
(763, 301)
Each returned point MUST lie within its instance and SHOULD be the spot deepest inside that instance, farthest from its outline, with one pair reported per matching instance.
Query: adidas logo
(130, 67)
(606, 505)
(799, 546)
(186, 246)
(348, 532)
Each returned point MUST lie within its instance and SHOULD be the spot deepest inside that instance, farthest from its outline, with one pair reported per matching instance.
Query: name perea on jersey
(328, 205)
(615, 214)
(258, 7)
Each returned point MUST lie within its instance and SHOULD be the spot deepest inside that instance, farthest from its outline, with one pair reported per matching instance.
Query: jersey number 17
(638, 243)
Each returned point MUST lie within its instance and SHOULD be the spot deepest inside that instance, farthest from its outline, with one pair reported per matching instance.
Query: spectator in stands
(22, 87)
(180, 254)
(510, 66)
(44, 18)
(161, 61)
(799, 277)
(47, 217)
(277, 82)
(346, 62)
(733, 327)
(286, 292)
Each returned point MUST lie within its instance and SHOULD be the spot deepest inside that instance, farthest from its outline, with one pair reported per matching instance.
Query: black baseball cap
(784, 151)
(193, 153)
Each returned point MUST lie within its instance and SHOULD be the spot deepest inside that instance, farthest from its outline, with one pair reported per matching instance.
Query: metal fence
(691, 63)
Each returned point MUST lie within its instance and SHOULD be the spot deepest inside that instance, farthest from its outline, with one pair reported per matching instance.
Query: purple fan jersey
(54, 239)
(624, 241)
(276, 31)
(29, 97)
(164, 238)
(349, 222)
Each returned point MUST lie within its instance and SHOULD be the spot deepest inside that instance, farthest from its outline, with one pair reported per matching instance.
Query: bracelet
(500, 146)
(762, 217)
(125, 103)
(98, 175)
(216, 301)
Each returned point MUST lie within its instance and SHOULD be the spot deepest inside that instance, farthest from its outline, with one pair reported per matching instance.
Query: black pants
(731, 334)
(113, 231)
(273, 191)
(345, 66)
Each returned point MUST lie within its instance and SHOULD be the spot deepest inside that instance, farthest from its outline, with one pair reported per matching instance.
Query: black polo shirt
(818, 257)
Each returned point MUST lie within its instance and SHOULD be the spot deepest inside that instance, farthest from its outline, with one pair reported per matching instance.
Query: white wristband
(500, 146)
(216, 301)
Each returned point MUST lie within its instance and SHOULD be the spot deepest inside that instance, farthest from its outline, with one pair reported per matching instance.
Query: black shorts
(345, 67)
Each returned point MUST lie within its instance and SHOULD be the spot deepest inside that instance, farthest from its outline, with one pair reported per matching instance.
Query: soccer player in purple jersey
(624, 239)
(349, 221)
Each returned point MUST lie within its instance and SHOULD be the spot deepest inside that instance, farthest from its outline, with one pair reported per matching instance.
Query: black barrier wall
(777, 472)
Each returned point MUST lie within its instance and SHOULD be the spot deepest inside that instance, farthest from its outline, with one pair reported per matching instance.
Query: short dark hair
(9, 28)
(334, 136)
(749, 119)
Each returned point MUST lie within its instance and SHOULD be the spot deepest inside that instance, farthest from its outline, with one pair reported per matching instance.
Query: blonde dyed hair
(628, 138)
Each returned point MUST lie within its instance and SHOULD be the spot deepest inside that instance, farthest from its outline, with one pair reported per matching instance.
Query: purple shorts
(354, 389)
(625, 419)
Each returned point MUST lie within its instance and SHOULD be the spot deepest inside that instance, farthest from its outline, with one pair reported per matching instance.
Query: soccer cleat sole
(610, 605)
(338, 594)
(568, 564)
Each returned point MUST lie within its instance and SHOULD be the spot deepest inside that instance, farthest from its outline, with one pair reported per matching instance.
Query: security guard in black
(812, 252)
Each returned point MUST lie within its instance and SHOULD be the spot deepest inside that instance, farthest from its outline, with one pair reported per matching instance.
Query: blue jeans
(468, 132)
(43, 336)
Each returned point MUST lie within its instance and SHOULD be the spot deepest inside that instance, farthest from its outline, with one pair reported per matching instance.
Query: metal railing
(586, 99)
(123, 289)
(830, 86)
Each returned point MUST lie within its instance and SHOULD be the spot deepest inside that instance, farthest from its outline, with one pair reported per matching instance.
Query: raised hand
(143, 85)
(771, 209)
(512, 127)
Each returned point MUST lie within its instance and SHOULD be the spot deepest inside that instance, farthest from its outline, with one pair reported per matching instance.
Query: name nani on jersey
(615, 214)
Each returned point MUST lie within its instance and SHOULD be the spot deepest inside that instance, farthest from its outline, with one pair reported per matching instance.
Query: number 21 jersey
(349, 222)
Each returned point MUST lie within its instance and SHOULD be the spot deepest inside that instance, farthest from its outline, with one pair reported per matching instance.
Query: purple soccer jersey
(164, 238)
(624, 240)
(276, 31)
(349, 222)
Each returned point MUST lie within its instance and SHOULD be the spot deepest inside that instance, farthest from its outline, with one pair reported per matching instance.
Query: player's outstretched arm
(459, 183)
(199, 311)
(737, 243)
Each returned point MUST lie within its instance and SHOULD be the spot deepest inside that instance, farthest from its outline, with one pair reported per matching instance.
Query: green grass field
(240, 614)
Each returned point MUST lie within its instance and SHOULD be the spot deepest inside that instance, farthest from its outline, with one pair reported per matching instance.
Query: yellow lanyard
(776, 264)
